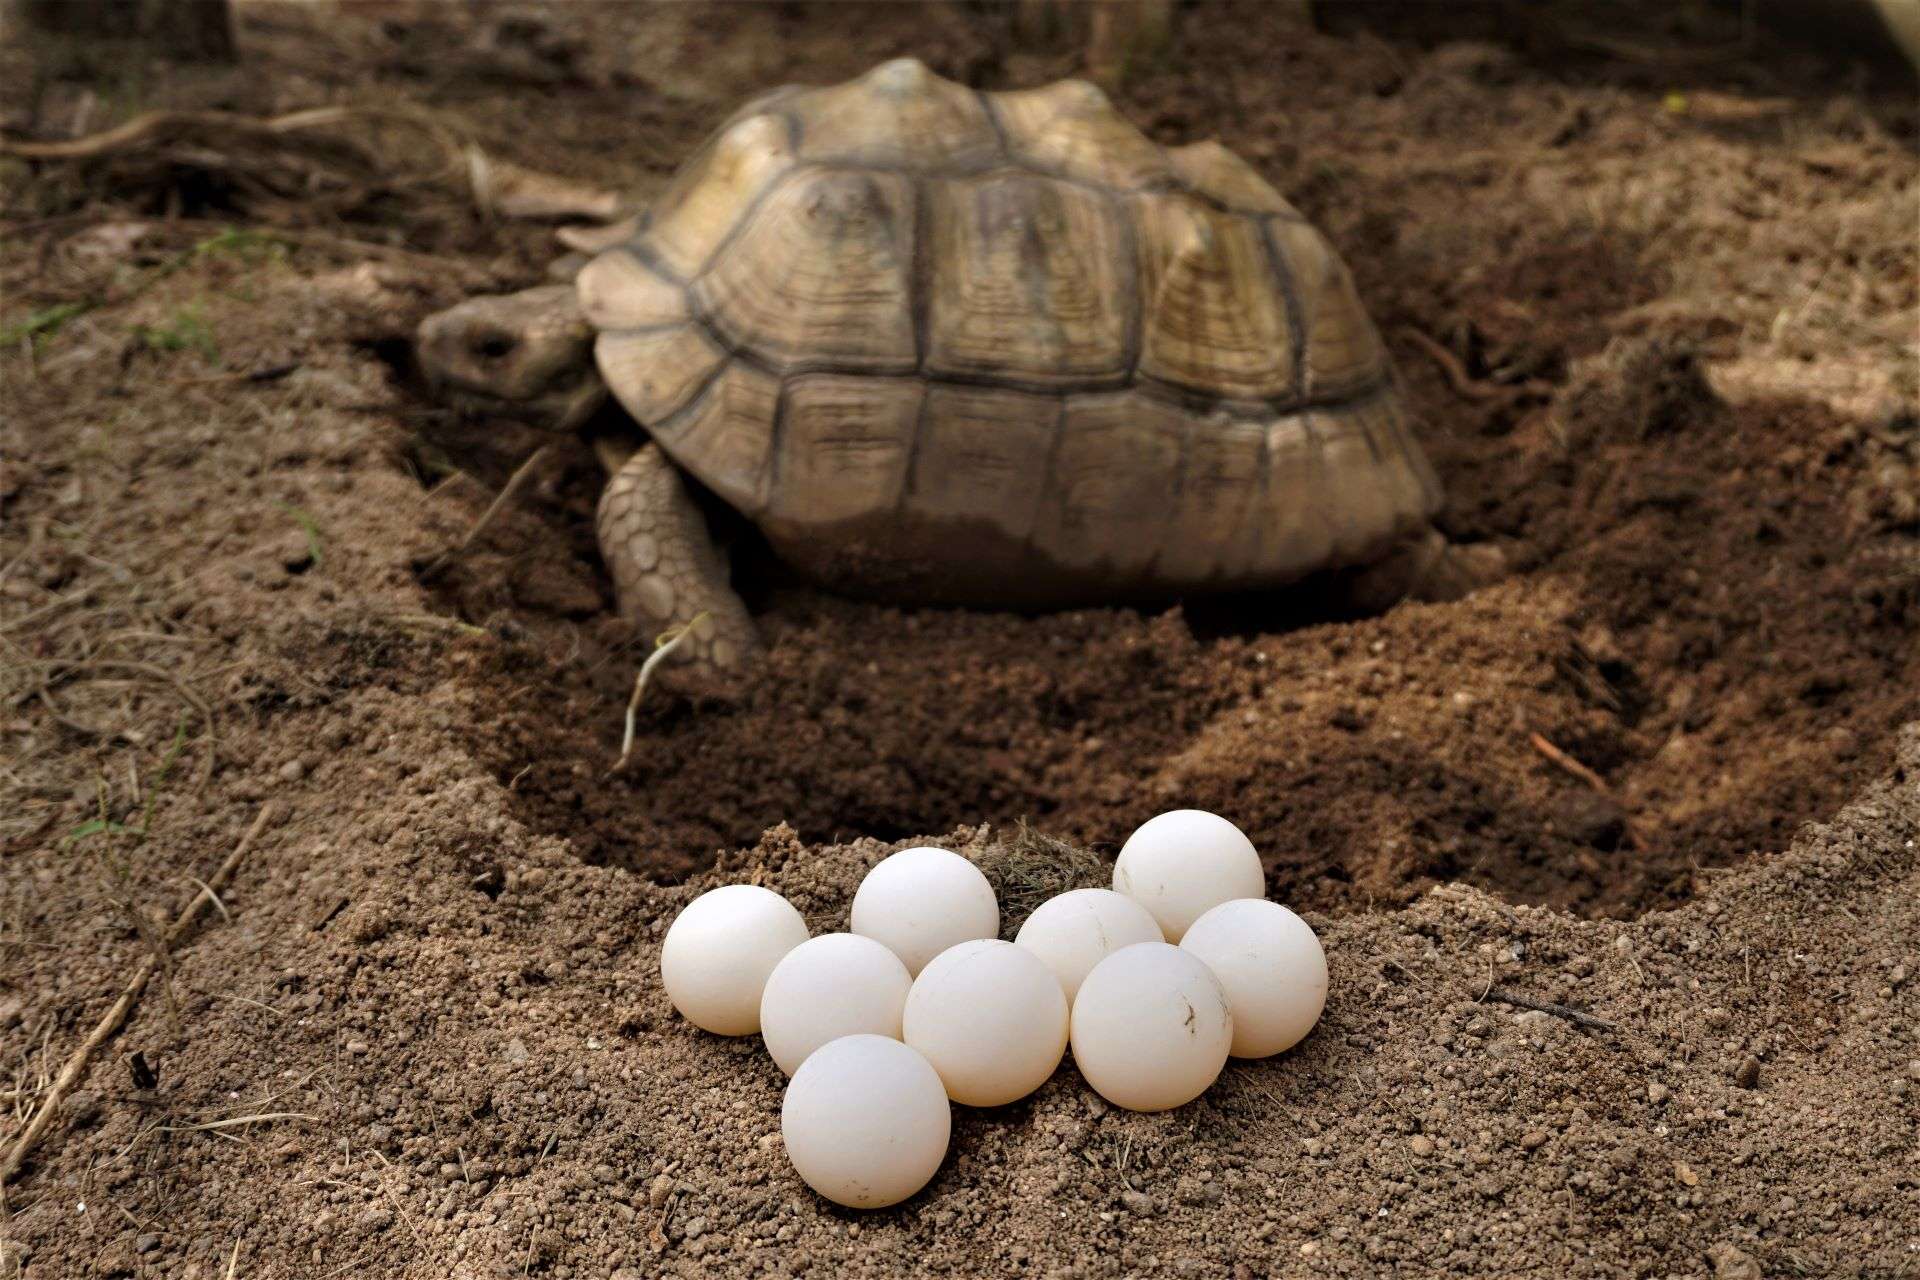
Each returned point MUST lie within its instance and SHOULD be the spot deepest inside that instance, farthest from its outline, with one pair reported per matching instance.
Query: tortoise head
(525, 355)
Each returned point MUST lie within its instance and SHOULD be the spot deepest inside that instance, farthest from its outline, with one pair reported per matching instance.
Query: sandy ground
(422, 1036)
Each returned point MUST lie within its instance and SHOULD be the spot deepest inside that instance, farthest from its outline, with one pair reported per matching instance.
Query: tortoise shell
(1002, 347)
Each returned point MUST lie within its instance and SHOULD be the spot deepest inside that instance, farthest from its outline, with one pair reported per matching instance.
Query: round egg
(919, 902)
(1184, 863)
(838, 984)
(990, 1018)
(719, 951)
(865, 1121)
(1151, 1027)
(1078, 929)
(1271, 967)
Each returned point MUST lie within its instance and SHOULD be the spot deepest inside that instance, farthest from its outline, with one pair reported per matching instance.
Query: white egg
(1271, 967)
(1151, 1027)
(1078, 929)
(719, 951)
(990, 1018)
(866, 1121)
(919, 902)
(1182, 864)
(838, 984)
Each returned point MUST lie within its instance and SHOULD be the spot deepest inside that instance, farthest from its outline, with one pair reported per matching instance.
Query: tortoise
(955, 347)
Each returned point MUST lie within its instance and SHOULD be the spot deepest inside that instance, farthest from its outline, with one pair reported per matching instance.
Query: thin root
(667, 642)
(1465, 384)
(1558, 757)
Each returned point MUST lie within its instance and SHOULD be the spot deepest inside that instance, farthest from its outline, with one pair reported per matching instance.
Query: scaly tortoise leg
(1426, 567)
(666, 570)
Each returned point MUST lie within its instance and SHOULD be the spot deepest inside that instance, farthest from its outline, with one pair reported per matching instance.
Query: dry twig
(156, 126)
(1567, 762)
(116, 1017)
(1519, 1001)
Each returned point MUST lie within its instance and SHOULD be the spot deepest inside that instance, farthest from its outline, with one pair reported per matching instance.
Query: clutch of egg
(1153, 983)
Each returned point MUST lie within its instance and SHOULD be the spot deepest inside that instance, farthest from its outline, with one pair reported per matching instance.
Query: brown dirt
(1687, 329)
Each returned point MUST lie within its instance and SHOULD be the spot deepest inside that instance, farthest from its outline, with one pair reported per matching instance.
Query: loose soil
(1657, 773)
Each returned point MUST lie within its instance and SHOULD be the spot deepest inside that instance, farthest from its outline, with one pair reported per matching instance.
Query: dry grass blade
(59, 670)
(235, 1122)
(399, 1208)
(212, 897)
(515, 482)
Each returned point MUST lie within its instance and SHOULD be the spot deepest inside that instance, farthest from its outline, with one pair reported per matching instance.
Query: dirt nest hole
(1673, 416)
(1684, 668)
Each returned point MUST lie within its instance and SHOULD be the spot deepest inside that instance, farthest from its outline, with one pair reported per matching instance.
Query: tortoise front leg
(1425, 567)
(666, 570)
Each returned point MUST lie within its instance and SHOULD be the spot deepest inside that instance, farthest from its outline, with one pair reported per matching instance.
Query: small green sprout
(185, 330)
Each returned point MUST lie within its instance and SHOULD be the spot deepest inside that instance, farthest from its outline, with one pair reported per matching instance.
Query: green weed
(105, 825)
(309, 526)
(44, 323)
(185, 330)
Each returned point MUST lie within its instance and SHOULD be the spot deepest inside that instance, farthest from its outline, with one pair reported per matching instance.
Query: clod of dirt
(1637, 389)
(1590, 819)
(1731, 1263)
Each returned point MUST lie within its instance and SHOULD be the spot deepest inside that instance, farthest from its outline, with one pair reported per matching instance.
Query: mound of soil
(422, 1033)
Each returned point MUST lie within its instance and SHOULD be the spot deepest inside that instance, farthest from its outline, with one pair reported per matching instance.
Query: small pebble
(1730, 1263)
(292, 771)
(294, 553)
(1533, 1139)
(1658, 1093)
(1422, 1145)
(662, 1188)
(1137, 1202)
(1747, 1074)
